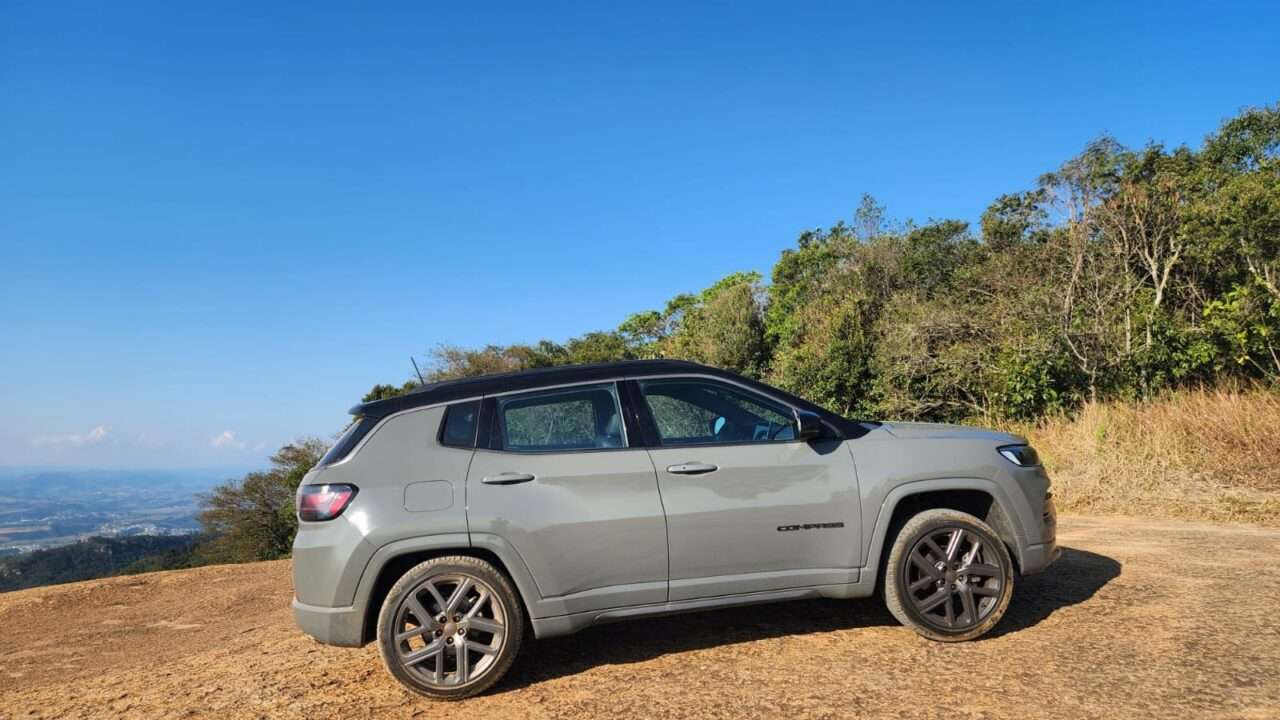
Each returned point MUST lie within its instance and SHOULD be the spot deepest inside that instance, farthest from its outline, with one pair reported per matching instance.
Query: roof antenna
(415, 369)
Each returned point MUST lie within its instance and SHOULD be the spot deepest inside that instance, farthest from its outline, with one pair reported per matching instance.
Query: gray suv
(448, 523)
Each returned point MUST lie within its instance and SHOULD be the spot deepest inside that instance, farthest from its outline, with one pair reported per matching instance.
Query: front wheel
(948, 576)
(450, 627)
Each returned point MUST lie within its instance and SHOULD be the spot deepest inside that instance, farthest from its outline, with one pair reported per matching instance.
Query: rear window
(459, 426)
(347, 440)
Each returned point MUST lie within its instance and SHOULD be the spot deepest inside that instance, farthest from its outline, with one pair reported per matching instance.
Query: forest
(1125, 273)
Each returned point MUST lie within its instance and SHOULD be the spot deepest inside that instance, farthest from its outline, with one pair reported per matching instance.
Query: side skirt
(567, 624)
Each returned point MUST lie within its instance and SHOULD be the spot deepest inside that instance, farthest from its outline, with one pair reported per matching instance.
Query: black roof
(448, 390)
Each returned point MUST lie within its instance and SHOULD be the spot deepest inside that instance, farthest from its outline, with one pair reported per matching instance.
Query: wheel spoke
(412, 633)
(926, 566)
(459, 593)
(424, 618)
(953, 544)
(973, 552)
(464, 660)
(430, 650)
(435, 594)
(950, 608)
(970, 609)
(922, 583)
(482, 649)
(981, 569)
(985, 591)
(478, 604)
(933, 548)
(934, 600)
(486, 625)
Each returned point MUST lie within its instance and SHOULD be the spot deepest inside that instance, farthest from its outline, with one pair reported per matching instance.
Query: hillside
(90, 558)
(1129, 624)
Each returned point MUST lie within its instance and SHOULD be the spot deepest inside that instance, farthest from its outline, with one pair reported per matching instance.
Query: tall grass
(1203, 454)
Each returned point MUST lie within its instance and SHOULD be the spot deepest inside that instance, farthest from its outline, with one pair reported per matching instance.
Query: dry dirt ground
(1139, 619)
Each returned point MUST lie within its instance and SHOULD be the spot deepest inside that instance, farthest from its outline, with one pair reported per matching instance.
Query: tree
(725, 327)
(1123, 273)
(1016, 218)
(828, 359)
(254, 518)
(1095, 287)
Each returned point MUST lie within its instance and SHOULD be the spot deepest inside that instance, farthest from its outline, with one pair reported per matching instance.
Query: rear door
(559, 482)
(749, 507)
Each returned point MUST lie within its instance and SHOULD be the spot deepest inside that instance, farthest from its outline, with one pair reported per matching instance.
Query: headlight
(1020, 455)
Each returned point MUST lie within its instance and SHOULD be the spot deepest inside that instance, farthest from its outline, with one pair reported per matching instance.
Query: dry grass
(1207, 454)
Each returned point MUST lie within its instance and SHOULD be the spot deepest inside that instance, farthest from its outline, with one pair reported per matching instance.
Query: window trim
(496, 441)
(654, 438)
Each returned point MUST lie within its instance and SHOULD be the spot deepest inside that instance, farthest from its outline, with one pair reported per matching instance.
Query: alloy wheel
(953, 581)
(449, 630)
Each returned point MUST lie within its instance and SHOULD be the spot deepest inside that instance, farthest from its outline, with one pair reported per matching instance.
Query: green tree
(1124, 273)
(725, 327)
(254, 518)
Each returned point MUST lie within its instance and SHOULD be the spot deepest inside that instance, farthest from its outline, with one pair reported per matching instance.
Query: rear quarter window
(458, 429)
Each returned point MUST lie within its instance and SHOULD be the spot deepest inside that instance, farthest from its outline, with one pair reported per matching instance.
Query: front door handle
(692, 468)
(507, 478)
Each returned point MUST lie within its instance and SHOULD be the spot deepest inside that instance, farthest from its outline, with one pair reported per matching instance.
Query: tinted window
(460, 422)
(690, 412)
(579, 418)
(347, 441)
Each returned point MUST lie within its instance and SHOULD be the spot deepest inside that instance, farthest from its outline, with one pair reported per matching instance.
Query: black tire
(932, 600)
(487, 598)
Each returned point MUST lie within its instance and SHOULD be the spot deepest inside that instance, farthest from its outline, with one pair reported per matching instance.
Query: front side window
(693, 412)
(577, 418)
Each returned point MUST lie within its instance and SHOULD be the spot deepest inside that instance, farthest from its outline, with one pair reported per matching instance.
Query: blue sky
(220, 223)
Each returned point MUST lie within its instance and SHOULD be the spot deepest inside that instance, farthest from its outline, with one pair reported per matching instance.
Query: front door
(749, 507)
(581, 508)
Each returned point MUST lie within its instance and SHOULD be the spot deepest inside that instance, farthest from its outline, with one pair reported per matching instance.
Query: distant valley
(43, 508)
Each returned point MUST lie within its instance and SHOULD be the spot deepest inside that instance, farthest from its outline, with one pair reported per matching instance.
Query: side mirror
(808, 425)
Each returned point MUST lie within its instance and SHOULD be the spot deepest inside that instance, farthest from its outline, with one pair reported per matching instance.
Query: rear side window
(578, 418)
(459, 426)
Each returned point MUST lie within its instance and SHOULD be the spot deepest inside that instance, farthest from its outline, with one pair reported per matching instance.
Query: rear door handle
(692, 468)
(507, 478)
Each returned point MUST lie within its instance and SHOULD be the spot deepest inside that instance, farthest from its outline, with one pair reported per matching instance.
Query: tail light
(323, 502)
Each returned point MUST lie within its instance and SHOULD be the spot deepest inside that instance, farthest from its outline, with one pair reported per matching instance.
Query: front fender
(879, 528)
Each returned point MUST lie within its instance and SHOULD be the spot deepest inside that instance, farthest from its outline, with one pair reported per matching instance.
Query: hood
(921, 431)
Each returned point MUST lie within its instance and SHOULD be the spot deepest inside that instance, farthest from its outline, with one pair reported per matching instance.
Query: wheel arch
(979, 497)
(393, 560)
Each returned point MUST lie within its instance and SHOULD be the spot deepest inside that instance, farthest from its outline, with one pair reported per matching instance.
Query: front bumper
(1036, 558)
(332, 626)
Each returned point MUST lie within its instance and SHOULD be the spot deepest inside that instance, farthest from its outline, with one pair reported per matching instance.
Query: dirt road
(1138, 619)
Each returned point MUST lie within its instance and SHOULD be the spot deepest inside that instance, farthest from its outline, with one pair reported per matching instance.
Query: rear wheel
(948, 576)
(450, 627)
